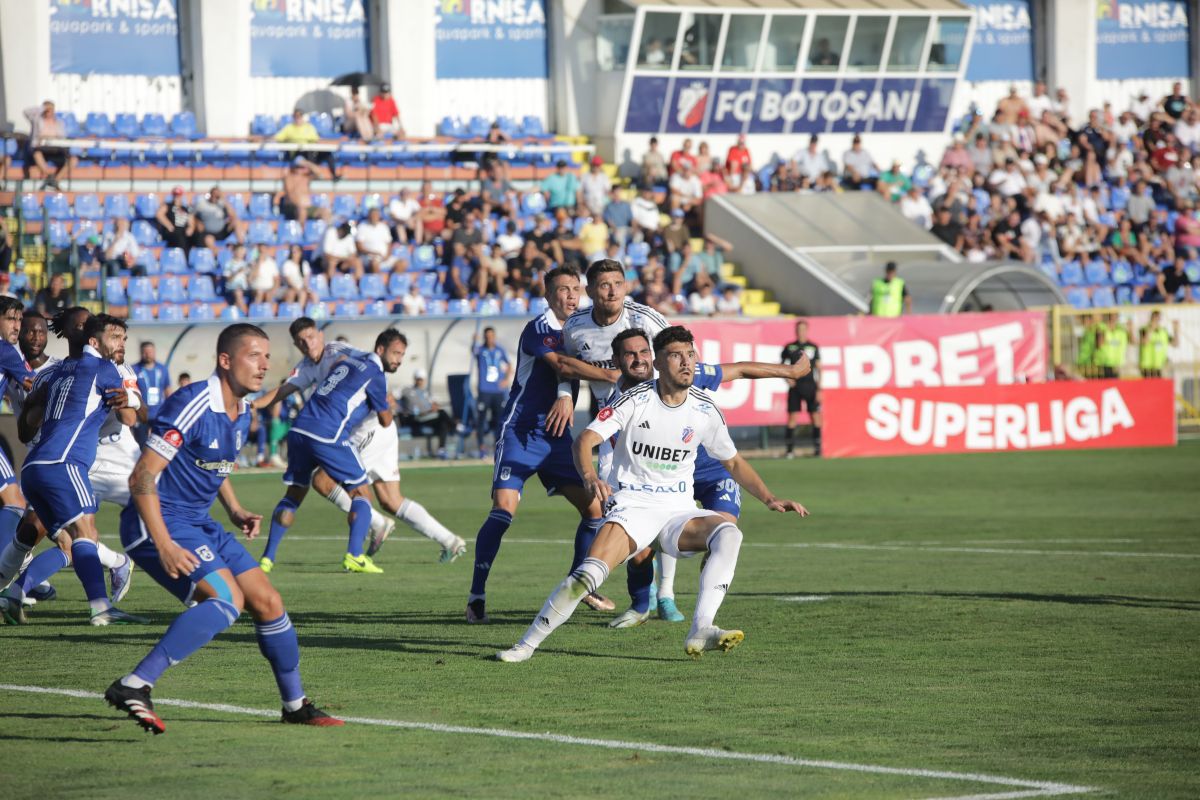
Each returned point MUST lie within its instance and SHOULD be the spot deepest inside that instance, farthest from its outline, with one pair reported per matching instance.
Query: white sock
(99, 605)
(293, 705)
(15, 557)
(416, 517)
(563, 601)
(666, 576)
(134, 682)
(337, 495)
(723, 547)
(109, 558)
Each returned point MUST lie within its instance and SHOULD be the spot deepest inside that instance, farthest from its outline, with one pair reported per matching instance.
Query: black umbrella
(358, 79)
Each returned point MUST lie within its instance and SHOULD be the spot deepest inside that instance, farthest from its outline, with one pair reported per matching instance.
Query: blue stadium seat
(145, 233)
(1144, 277)
(231, 313)
(183, 126)
(57, 207)
(488, 306)
(83, 230)
(1047, 267)
(202, 260)
(19, 282)
(98, 125)
(533, 203)
(538, 305)
(343, 287)
(451, 127)
(372, 286)
(290, 232)
(1192, 270)
(424, 257)
(398, 283)
(531, 127)
(260, 232)
(154, 125)
(146, 205)
(201, 288)
(478, 127)
(170, 290)
(1122, 272)
(200, 312)
(513, 305)
(436, 307)
(140, 313)
(141, 290)
(87, 206)
(125, 125)
(324, 125)
(1079, 298)
(170, 312)
(379, 308)
(261, 206)
(70, 124)
(344, 206)
(31, 206)
(116, 206)
(314, 231)
(319, 285)
(427, 283)
(147, 262)
(289, 311)
(1125, 296)
(1071, 273)
(372, 200)
(114, 292)
(57, 235)
(349, 309)
(1102, 297)
(317, 311)
(262, 311)
(174, 262)
(264, 125)
(1096, 274)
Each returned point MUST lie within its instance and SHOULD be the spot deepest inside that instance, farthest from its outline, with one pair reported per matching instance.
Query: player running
(663, 422)
(535, 436)
(191, 451)
(378, 448)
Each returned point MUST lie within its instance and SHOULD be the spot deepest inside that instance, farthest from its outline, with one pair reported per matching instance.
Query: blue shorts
(214, 547)
(58, 493)
(339, 460)
(520, 454)
(719, 492)
(7, 475)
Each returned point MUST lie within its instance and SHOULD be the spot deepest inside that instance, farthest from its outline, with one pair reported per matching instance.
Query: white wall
(491, 98)
(110, 94)
(25, 53)
(219, 41)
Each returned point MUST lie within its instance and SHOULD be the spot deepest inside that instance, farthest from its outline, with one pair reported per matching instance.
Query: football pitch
(990, 626)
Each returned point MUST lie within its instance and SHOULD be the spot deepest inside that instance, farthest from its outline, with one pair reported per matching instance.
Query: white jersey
(118, 450)
(308, 374)
(655, 456)
(584, 339)
(16, 393)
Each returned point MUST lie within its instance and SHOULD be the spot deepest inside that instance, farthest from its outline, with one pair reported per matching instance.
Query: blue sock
(190, 631)
(278, 531)
(585, 534)
(87, 566)
(43, 567)
(639, 578)
(360, 512)
(262, 440)
(277, 642)
(487, 544)
(10, 517)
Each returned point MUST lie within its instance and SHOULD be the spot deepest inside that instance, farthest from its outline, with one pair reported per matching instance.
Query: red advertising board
(872, 353)
(1059, 415)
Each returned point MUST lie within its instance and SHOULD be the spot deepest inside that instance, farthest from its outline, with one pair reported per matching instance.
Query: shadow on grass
(1164, 603)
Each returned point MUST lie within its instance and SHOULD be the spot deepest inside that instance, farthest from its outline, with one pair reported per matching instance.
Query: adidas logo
(214, 444)
(724, 587)
(724, 497)
(645, 424)
(544, 620)
(484, 565)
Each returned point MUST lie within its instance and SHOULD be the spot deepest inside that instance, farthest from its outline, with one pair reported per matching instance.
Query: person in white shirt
(596, 186)
(1040, 103)
(1008, 179)
(810, 162)
(403, 212)
(510, 241)
(916, 208)
(264, 277)
(339, 251)
(413, 303)
(686, 189)
(702, 302)
(295, 274)
(729, 304)
(1187, 129)
(660, 425)
(374, 242)
(645, 210)
(121, 249)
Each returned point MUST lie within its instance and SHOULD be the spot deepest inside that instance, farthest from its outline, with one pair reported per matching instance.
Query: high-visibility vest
(887, 297)
(1087, 347)
(1152, 354)
(1116, 342)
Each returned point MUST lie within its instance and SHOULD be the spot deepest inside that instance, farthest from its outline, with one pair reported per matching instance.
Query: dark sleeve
(816, 356)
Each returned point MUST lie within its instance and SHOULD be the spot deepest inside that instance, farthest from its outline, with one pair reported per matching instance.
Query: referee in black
(803, 393)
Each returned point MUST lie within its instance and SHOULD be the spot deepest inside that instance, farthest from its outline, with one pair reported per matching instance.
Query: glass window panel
(783, 42)
(741, 42)
(613, 37)
(908, 42)
(658, 41)
(700, 41)
(949, 38)
(866, 53)
(829, 36)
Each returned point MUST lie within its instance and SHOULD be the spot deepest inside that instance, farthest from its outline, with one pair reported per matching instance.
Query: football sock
(12, 557)
(360, 525)
(277, 642)
(639, 578)
(337, 495)
(487, 544)
(190, 631)
(723, 547)
(789, 437)
(278, 529)
(585, 534)
(43, 566)
(10, 516)
(109, 558)
(416, 517)
(666, 575)
(817, 437)
(563, 601)
(87, 566)
(261, 441)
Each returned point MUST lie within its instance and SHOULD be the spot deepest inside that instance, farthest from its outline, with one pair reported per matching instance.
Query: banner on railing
(308, 40)
(1061, 415)
(114, 38)
(872, 353)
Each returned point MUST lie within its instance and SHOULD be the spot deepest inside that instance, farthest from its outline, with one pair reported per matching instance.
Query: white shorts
(110, 484)
(379, 451)
(645, 525)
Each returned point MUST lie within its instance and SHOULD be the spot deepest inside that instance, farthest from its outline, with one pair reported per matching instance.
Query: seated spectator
(418, 410)
(893, 183)
(785, 178)
(340, 251)
(946, 229)
(823, 55)
(1171, 280)
(658, 294)
(1123, 243)
(462, 267)
(546, 239)
(237, 279)
(89, 252)
(916, 208)
(300, 132)
(696, 269)
(1187, 227)
(595, 187)
(593, 239)
(561, 188)
(264, 276)
(729, 304)
(957, 157)
(712, 181)
(738, 165)
(219, 219)
(294, 199)
(568, 243)
(121, 249)
(44, 125)
(490, 271)
(53, 298)
(810, 162)
(295, 275)
(676, 235)
(357, 118)
(682, 156)
(175, 221)
(510, 242)
(384, 113)
(431, 220)
(525, 269)
(859, 166)
(413, 303)
(404, 212)
(496, 191)
(687, 192)
(6, 249)
(645, 211)
(654, 166)
(374, 242)
(702, 302)
(618, 216)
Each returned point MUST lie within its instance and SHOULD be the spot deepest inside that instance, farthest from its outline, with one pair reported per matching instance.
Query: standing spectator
(889, 295)
(654, 166)
(618, 216)
(237, 278)
(175, 220)
(374, 241)
(804, 393)
(595, 187)
(44, 125)
(357, 119)
(1173, 104)
(294, 199)
(1153, 343)
(561, 188)
(682, 156)
(384, 113)
(645, 210)
(219, 219)
(154, 382)
(1040, 102)
(121, 249)
(810, 162)
(493, 371)
(860, 169)
(54, 298)
(738, 165)
(413, 303)
(340, 252)
(404, 212)
(295, 275)
(417, 409)
(264, 277)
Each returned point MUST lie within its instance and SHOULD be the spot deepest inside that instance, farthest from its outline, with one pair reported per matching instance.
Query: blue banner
(306, 39)
(1142, 39)
(487, 39)
(787, 105)
(117, 37)
(1003, 46)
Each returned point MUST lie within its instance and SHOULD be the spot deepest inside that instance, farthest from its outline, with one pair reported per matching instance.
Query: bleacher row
(1098, 284)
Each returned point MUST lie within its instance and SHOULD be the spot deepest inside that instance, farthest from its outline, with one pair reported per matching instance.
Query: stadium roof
(810, 5)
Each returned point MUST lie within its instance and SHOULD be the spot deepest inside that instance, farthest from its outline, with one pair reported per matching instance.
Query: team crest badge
(688, 435)
(505, 473)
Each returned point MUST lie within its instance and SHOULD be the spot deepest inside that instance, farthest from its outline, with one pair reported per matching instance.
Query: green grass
(977, 621)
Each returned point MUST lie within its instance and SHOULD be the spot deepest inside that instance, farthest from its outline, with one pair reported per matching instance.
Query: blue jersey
(535, 385)
(353, 388)
(153, 382)
(12, 367)
(490, 361)
(201, 442)
(74, 409)
(708, 378)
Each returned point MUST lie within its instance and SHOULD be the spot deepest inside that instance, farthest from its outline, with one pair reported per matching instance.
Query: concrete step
(761, 309)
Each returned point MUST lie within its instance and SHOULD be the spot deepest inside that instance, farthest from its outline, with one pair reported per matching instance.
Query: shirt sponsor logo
(659, 453)
(219, 467)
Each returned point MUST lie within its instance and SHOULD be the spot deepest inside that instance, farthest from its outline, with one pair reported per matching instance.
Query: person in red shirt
(384, 113)
(738, 159)
(431, 219)
(681, 155)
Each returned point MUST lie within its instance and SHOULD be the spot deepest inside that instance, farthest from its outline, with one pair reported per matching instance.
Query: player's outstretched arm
(569, 368)
(756, 370)
(281, 393)
(752, 482)
(143, 490)
(586, 442)
(249, 523)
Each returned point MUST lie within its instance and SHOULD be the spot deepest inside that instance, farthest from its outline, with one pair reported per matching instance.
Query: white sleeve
(604, 463)
(612, 419)
(716, 439)
(304, 375)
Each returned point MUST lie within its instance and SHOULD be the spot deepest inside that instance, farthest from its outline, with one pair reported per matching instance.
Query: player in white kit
(660, 424)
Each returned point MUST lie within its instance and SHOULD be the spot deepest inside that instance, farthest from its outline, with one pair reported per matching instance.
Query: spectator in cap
(687, 192)
(595, 187)
(682, 156)
(175, 221)
(561, 188)
(811, 162)
(384, 113)
(44, 124)
(294, 199)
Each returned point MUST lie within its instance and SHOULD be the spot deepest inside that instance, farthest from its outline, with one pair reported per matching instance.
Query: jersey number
(337, 376)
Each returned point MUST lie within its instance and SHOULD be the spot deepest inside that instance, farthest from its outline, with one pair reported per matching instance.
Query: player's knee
(229, 593)
(726, 535)
(265, 604)
(285, 517)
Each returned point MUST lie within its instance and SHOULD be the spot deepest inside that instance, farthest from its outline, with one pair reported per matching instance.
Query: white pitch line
(803, 598)
(1030, 788)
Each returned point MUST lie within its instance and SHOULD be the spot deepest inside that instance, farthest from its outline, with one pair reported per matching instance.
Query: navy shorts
(521, 454)
(58, 493)
(339, 460)
(7, 475)
(719, 493)
(215, 548)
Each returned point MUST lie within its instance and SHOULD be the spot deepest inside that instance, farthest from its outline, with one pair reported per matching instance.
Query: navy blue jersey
(195, 434)
(353, 388)
(490, 361)
(708, 378)
(74, 409)
(153, 383)
(12, 367)
(535, 385)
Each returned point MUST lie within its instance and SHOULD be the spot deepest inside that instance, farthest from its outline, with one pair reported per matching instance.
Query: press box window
(949, 39)
(866, 52)
(699, 49)
(828, 41)
(741, 42)
(613, 37)
(908, 43)
(657, 47)
(784, 38)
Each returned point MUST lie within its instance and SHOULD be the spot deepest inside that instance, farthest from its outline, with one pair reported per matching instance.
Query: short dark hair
(301, 324)
(147, 343)
(8, 304)
(60, 322)
(388, 337)
(889, 266)
(671, 335)
(184, 376)
(236, 332)
(96, 325)
(31, 313)
(601, 266)
(559, 272)
(628, 333)
(488, 328)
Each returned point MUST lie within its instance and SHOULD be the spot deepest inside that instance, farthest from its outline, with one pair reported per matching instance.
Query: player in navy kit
(13, 370)
(190, 453)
